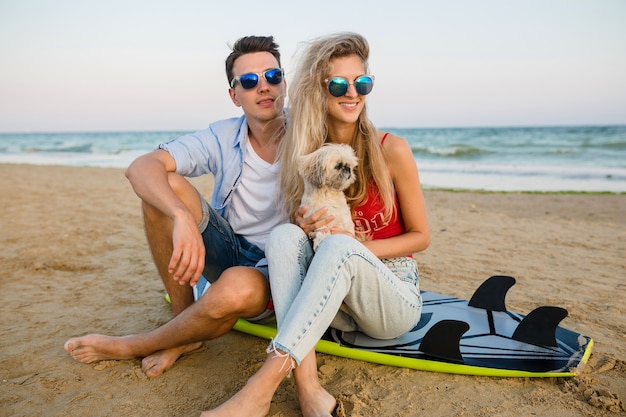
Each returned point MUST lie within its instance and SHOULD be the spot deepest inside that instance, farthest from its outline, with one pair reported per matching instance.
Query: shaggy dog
(327, 172)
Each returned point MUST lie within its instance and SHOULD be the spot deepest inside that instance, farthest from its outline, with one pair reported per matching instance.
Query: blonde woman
(369, 283)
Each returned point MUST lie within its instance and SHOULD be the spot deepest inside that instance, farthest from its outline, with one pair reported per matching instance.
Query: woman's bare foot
(255, 397)
(254, 401)
(240, 405)
(161, 361)
(316, 402)
(97, 347)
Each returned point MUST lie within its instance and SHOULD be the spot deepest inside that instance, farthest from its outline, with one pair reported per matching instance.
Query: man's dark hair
(248, 45)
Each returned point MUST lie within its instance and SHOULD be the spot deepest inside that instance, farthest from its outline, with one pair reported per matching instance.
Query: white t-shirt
(254, 211)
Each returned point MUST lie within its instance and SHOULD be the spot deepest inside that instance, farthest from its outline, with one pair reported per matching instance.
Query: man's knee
(242, 291)
(245, 291)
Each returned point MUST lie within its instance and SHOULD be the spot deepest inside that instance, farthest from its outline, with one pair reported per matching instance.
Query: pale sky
(93, 65)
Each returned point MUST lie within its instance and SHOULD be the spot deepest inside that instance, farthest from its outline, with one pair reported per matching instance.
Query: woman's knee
(339, 245)
(283, 236)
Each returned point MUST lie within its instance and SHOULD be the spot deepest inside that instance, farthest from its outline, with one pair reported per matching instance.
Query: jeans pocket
(404, 268)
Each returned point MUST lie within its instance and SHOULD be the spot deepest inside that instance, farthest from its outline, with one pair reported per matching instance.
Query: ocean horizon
(535, 159)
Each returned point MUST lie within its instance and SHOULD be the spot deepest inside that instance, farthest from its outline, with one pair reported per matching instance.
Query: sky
(92, 65)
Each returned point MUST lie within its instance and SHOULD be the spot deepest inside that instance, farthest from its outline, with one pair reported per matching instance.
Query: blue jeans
(342, 285)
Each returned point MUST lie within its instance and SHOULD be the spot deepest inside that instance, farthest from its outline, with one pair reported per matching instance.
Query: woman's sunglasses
(338, 86)
(273, 76)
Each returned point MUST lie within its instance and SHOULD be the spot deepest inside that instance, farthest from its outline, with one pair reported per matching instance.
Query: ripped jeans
(342, 285)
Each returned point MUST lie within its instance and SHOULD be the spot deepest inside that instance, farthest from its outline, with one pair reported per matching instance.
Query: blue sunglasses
(338, 86)
(273, 76)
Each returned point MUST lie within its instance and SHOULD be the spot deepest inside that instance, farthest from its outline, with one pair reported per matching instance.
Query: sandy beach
(75, 261)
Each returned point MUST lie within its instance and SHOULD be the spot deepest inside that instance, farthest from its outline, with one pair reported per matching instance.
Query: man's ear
(233, 97)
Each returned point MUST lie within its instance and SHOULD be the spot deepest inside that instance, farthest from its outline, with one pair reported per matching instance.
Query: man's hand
(187, 262)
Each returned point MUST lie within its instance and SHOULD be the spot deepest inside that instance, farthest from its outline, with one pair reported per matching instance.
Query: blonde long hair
(307, 129)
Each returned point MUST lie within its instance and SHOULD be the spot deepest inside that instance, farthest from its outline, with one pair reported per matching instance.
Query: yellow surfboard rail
(333, 348)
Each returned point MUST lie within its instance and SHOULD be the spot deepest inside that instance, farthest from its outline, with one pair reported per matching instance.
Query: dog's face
(330, 166)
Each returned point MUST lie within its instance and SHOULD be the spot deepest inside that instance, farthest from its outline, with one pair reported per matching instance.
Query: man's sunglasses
(273, 76)
(338, 86)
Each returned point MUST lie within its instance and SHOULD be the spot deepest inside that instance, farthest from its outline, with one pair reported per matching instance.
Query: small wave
(451, 151)
(85, 148)
(119, 160)
(493, 177)
(121, 150)
(562, 151)
(609, 145)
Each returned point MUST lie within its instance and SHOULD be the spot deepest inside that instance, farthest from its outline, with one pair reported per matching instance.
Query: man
(224, 241)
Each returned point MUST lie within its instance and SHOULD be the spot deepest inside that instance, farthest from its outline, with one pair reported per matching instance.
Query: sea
(534, 159)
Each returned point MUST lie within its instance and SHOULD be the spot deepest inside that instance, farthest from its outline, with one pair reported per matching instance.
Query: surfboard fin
(539, 326)
(442, 340)
(492, 293)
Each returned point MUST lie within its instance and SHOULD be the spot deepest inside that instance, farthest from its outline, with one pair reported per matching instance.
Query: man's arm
(149, 177)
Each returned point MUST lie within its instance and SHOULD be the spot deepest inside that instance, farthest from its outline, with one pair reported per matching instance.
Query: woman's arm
(405, 176)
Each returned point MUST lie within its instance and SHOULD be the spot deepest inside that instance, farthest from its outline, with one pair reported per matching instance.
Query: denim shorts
(225, 248)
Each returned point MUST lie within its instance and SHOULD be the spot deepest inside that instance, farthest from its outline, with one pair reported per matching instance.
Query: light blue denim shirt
(218, 150)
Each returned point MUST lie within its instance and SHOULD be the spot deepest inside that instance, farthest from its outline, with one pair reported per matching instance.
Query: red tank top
(368, 217)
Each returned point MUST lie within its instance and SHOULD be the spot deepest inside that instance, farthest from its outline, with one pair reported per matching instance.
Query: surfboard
(475, 337)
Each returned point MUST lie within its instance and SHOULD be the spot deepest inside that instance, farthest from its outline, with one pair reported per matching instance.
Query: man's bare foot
(161, 361)
(97, 347)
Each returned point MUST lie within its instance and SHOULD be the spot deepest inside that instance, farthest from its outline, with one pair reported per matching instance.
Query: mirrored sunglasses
(338, 86)
(273, 76)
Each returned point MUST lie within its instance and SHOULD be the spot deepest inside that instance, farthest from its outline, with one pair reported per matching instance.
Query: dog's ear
(310, 170)
(302, 161)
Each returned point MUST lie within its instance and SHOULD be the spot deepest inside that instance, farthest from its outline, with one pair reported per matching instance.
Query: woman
(369, 285)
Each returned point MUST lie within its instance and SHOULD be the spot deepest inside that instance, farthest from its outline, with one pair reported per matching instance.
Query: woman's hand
(314, 222)
(340, 231)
